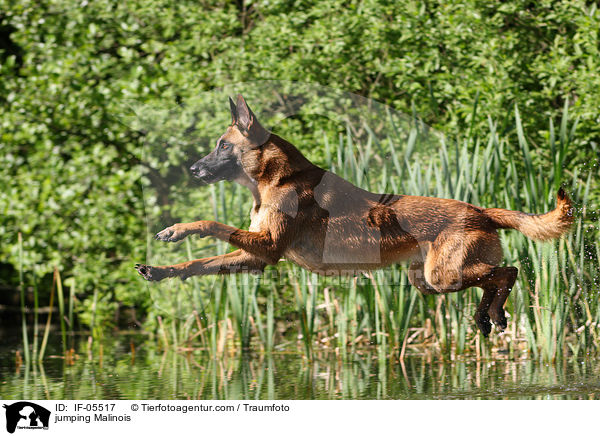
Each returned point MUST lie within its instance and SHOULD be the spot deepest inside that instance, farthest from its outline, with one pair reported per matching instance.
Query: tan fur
(542, 227)
(327, 225)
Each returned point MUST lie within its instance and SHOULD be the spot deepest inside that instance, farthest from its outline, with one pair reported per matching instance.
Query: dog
(327, 225)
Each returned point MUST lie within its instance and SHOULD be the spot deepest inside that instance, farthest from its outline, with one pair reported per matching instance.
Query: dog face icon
(26, 414)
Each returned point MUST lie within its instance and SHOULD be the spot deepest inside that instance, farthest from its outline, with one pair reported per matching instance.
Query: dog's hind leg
(496, 286)
(481, 275)
(502, 279)
(496, 283)
(416, 276)
(482, 317)
(464, 259)
(236, 262)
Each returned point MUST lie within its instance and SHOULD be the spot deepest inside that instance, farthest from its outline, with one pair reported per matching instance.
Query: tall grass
(61, 309)
(22, 295)
(553, 308)
(57, 286)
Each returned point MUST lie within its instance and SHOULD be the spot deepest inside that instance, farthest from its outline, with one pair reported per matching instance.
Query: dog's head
(242, 137)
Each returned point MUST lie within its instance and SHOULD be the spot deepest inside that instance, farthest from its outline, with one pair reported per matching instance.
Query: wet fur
(325, 224)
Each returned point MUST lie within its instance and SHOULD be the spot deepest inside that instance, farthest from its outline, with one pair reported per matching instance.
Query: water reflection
(151, 374)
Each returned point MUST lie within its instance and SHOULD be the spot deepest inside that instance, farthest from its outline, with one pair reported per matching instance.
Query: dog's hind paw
(150, 273)
(499, 320)
(484, 324)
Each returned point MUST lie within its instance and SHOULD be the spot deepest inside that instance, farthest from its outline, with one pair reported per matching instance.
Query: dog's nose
(197, 171)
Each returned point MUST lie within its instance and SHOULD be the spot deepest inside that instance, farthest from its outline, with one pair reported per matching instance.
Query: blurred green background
(72, 168)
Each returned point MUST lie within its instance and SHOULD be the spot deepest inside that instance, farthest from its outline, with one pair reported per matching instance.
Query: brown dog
(327, 225)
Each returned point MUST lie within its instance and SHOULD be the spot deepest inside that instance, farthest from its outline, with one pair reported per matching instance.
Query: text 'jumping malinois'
(327, 225)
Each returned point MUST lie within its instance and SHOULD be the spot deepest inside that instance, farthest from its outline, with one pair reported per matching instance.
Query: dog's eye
(224, 145)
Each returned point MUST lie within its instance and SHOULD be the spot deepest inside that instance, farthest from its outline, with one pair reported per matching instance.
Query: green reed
(44, 343)
(61, 308)
(23, 307)
(36, 306)
(70, 318)
(38, 354)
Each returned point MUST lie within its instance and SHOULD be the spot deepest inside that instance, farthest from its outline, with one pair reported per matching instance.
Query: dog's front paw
(172, 234)
(151, 273)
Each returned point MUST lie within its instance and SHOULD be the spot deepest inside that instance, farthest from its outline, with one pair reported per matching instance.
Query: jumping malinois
(325, 224)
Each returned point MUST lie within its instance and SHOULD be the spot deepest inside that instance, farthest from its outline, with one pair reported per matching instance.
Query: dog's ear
(245, 116)
(234, 112)
(248, 124)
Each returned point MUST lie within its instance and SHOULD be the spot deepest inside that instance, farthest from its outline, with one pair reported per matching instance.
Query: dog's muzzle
(199, 172)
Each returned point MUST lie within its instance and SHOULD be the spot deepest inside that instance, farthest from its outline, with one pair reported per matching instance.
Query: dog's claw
(499, 320)
(145, 271)
(169, 235)
(153, 273)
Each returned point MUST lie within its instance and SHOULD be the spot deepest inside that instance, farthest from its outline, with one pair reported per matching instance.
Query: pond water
(113, 371)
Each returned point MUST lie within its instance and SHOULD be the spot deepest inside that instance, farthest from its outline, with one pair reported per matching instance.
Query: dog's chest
(305, 250)
(259, 218)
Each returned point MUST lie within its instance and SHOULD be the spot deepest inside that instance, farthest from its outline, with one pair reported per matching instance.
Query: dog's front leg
(178, 231)
(267, 245)
(235, 262)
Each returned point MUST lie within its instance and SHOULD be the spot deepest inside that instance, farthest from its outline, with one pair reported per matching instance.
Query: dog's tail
(545, 226)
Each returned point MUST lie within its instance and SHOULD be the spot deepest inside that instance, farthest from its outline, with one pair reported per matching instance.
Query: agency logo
(26, 415)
